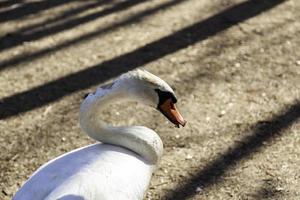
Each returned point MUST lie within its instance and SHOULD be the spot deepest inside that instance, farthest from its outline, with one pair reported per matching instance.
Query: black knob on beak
(85, 95)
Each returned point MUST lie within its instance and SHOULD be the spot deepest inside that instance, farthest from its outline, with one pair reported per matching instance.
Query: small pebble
(47, 110)
(199, 189)
(237, 65)
(173, 59)
(117, 38)
(279, 189)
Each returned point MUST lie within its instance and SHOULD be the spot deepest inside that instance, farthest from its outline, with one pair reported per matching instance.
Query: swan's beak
(169, 110)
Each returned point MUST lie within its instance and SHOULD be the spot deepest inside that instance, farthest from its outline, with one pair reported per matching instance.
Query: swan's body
(121, 168)
(96, 172)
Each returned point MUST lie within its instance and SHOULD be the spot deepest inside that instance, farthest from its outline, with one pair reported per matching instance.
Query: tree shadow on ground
(212, 173)
(29, 8)
(39, 27)
(133, 19)
(61, 24)
(54, 90)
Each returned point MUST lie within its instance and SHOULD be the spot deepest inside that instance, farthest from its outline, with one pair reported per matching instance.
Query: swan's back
(95, 172)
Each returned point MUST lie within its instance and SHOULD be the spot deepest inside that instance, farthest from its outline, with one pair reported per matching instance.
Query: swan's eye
(163, 96)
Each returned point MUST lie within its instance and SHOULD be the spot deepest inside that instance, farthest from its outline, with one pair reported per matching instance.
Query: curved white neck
(139, 139)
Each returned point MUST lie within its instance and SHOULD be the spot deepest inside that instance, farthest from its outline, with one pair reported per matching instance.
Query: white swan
(120, 166)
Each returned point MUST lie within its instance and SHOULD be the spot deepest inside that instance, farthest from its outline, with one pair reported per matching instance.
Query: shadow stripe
(30, 8)
(62, 16)
(59, 27)
(135, 18)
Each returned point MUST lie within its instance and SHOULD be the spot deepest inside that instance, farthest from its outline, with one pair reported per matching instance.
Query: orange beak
(169, 110)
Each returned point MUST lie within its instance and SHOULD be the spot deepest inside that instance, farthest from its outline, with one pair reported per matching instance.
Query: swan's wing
(89, 173)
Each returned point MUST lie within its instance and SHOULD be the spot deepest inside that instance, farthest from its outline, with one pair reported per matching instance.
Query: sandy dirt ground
(235, 66)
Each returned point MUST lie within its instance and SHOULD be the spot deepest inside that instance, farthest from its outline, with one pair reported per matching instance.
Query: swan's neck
(139, 139)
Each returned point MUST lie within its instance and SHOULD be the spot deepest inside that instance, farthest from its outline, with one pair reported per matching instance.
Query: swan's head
(143, 87)
(150, 90)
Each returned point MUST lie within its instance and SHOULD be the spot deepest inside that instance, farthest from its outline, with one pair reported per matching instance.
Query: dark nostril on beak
(85, 95)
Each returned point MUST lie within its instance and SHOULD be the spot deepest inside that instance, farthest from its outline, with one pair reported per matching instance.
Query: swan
(120, 165)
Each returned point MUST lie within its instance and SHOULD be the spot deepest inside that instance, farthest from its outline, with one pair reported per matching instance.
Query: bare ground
(235, 66)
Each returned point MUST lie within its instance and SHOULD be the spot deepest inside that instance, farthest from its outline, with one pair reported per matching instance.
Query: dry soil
(235, 66)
